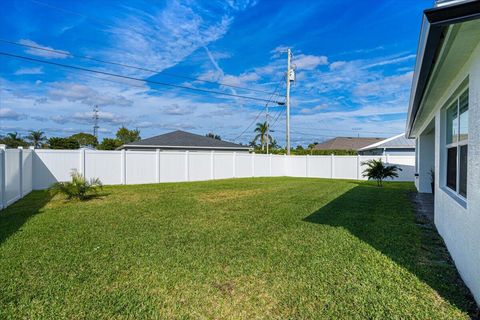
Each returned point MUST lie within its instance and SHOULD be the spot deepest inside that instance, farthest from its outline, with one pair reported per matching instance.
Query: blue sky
(354, 62)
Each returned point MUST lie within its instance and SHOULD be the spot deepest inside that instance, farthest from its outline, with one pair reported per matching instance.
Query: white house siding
(459, 225)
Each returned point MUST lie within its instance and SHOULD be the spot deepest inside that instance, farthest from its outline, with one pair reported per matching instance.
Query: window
(457, 144)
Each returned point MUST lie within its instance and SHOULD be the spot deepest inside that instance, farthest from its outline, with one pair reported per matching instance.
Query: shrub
(79, 188)
(376, 170)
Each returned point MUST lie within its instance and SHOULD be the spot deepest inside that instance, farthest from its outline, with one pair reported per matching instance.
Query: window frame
(456, 143)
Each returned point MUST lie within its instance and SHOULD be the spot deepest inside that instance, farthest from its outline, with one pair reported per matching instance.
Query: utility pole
(95, 121)
(268, 125)
(290, 77)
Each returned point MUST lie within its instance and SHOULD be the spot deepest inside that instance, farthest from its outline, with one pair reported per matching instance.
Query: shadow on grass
(14, 217)
(383, 218)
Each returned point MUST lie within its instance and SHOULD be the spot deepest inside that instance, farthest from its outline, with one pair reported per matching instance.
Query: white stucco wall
(457, 223)
(425, 162)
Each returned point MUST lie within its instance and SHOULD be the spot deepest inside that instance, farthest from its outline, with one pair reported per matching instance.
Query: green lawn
(232, 249)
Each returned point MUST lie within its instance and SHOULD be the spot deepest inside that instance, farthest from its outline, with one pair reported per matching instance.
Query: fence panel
(12, 175)
(223, 165)
(262, 165)
(243, 165)
(297, 166)
(278, 166)
(140, 167)
(27, 171)
(172, 167)
(407, 164)
(320, 167)
(50, 166)
(200, 166)
(105, 165)
(345, 167)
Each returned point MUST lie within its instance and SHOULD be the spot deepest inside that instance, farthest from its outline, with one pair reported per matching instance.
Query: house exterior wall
(425, 161)
(458, 222)
(389, 152)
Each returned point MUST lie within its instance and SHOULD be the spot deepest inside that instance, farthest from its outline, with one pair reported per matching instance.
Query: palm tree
(376, 170)
(37, 137)
(13, 140)
(261, 129)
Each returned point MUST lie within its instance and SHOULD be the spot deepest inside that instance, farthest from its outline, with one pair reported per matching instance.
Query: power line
(346, 131)
(100, 22)
(134, 78)
(129, 66)
(279, 114)
(261, 111)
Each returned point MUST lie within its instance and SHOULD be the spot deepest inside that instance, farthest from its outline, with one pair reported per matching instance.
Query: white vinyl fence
(24, 170)
(16, 175)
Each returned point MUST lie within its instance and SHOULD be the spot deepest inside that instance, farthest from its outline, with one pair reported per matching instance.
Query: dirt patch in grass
(226, 195)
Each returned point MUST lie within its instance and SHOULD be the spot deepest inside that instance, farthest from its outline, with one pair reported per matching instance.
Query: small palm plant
(378, 171)
(79, 188)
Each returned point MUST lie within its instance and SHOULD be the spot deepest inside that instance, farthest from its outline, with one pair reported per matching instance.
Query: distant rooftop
(396, 142)
(346, 143)
(182, 139)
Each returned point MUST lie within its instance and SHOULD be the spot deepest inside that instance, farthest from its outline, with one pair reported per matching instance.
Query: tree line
(263, 136)
(38, 139)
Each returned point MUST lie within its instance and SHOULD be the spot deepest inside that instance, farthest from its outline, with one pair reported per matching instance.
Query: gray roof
(346, 143)
(182, 139)
(396, 142)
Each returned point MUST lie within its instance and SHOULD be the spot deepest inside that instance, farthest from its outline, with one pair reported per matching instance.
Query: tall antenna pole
(95, 121)
(289, 77)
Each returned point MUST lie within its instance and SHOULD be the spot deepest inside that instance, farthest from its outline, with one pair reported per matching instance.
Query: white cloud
(396, 84)
(43, 53)
(86, 95)
(390, 61)
(163, 38)
(309, 62)
(29, 71)
(179, 110)
(314, 109)
(86, 118)
(9, 114)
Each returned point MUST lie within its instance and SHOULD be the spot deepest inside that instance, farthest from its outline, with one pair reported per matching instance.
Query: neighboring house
(396, 146)
(184, 141)
(346, 143)
(444, 118)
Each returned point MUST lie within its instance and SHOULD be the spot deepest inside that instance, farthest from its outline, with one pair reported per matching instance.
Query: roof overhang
(434, 23)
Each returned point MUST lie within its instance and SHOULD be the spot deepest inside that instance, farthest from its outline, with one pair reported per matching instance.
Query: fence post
(270, 165)
(332, 164)
(82, 162)
(20, 172)
(307, 166)
(212, 169)
(157, 165)
(234, 157)
(124, 167)
(359, 168)
(187, 173)
(3, 196)
(253, 164)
